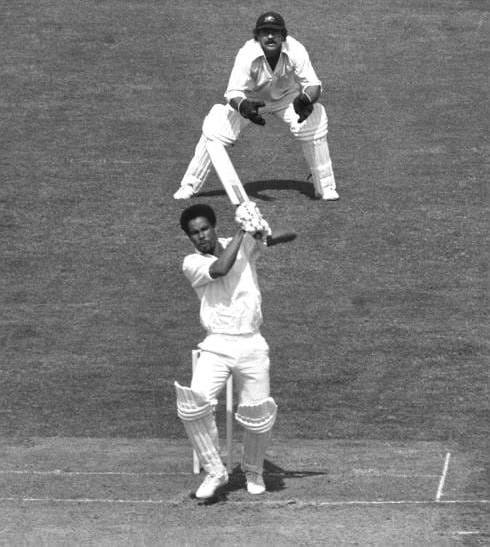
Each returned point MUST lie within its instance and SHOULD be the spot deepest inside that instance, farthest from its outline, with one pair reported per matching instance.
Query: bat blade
(226, 172)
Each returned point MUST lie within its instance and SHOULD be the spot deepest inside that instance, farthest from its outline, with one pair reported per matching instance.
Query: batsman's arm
(226, 259)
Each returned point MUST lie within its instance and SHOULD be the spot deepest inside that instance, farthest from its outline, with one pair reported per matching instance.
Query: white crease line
(59, 472)
(277, 503)
(442, 480)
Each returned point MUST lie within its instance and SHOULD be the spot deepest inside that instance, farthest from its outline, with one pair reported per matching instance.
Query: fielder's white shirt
(230, 304)
(252, 76)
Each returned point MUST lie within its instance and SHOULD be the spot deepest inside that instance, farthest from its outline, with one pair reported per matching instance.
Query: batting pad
(199, 422)
(191, 405)
(257, 417)
(254, 447)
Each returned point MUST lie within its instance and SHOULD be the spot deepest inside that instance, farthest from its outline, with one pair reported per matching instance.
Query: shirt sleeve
(239, 81)
(303, 69)
(196, 269)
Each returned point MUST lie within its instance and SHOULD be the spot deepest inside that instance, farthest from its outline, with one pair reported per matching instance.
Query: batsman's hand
(302, 106)
(249, 109)
(250, 219)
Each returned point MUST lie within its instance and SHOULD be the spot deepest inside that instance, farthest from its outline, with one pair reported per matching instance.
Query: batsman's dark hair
(195, 211)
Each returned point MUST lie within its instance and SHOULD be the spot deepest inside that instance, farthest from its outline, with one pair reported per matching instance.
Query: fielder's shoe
(210, 484)
(255, 483)
(184, 192)
(330, 194)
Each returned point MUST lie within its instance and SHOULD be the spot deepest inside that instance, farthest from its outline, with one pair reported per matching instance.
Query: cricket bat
(226, 172)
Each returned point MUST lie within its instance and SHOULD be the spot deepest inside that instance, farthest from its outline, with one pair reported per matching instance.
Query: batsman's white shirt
(252, 76)
(230, 304)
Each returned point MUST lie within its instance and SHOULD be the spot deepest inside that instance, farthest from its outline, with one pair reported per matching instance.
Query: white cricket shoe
(210, 484)
(184, 192)
(330, 194)
(255, 483)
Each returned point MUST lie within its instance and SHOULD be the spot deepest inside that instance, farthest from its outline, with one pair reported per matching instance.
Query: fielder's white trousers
(246, 357)
(224, 124)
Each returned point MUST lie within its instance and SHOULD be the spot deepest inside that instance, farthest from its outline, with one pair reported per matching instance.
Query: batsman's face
(270, 40)
(202, 234)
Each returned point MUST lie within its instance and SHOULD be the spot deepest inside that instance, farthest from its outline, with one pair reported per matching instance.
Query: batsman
(223, 274)
(272, 75)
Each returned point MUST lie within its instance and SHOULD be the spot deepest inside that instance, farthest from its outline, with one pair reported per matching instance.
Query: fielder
(272, 74)
(222, 272)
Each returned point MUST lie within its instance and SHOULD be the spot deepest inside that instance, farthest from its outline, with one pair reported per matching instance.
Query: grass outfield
(377, 315)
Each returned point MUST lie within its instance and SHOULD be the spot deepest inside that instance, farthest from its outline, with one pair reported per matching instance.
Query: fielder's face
(270, 40)
(202, 234)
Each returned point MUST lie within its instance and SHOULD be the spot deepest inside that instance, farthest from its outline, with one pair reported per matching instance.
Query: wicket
(196, 468)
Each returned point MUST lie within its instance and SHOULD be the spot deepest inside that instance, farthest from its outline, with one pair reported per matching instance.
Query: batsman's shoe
(255, 483)
(210, 484)
(330, 194)
(184, 192)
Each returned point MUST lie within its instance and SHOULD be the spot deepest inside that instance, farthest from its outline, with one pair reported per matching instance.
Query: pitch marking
(442, 480)
(58, 472)
(271, 503)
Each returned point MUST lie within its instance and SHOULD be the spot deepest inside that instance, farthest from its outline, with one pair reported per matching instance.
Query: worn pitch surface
(330, 492)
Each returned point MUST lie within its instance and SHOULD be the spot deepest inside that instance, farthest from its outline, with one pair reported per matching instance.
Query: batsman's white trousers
(245, 356)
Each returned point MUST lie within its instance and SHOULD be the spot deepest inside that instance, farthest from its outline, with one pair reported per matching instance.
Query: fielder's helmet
(273, 20)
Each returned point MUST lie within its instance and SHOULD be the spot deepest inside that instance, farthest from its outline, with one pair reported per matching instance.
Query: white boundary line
(276, 503)
(442, 480)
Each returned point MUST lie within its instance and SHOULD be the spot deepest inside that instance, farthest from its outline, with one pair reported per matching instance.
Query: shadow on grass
(273, 477)
(256, 189)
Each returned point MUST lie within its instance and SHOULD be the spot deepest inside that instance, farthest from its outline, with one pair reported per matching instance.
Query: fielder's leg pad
(222, 124)
(314, 127)
(198, 169)
(317, 156)
(258, 417)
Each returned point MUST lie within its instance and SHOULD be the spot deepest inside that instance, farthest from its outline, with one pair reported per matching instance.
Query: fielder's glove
(302, 106)
(249, 108)
(250, 219)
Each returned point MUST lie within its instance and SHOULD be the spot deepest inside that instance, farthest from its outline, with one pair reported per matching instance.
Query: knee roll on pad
(222, 124)
(258, 417)
(191, 405)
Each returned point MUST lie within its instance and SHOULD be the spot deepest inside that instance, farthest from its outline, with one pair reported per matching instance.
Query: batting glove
(250, 219)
